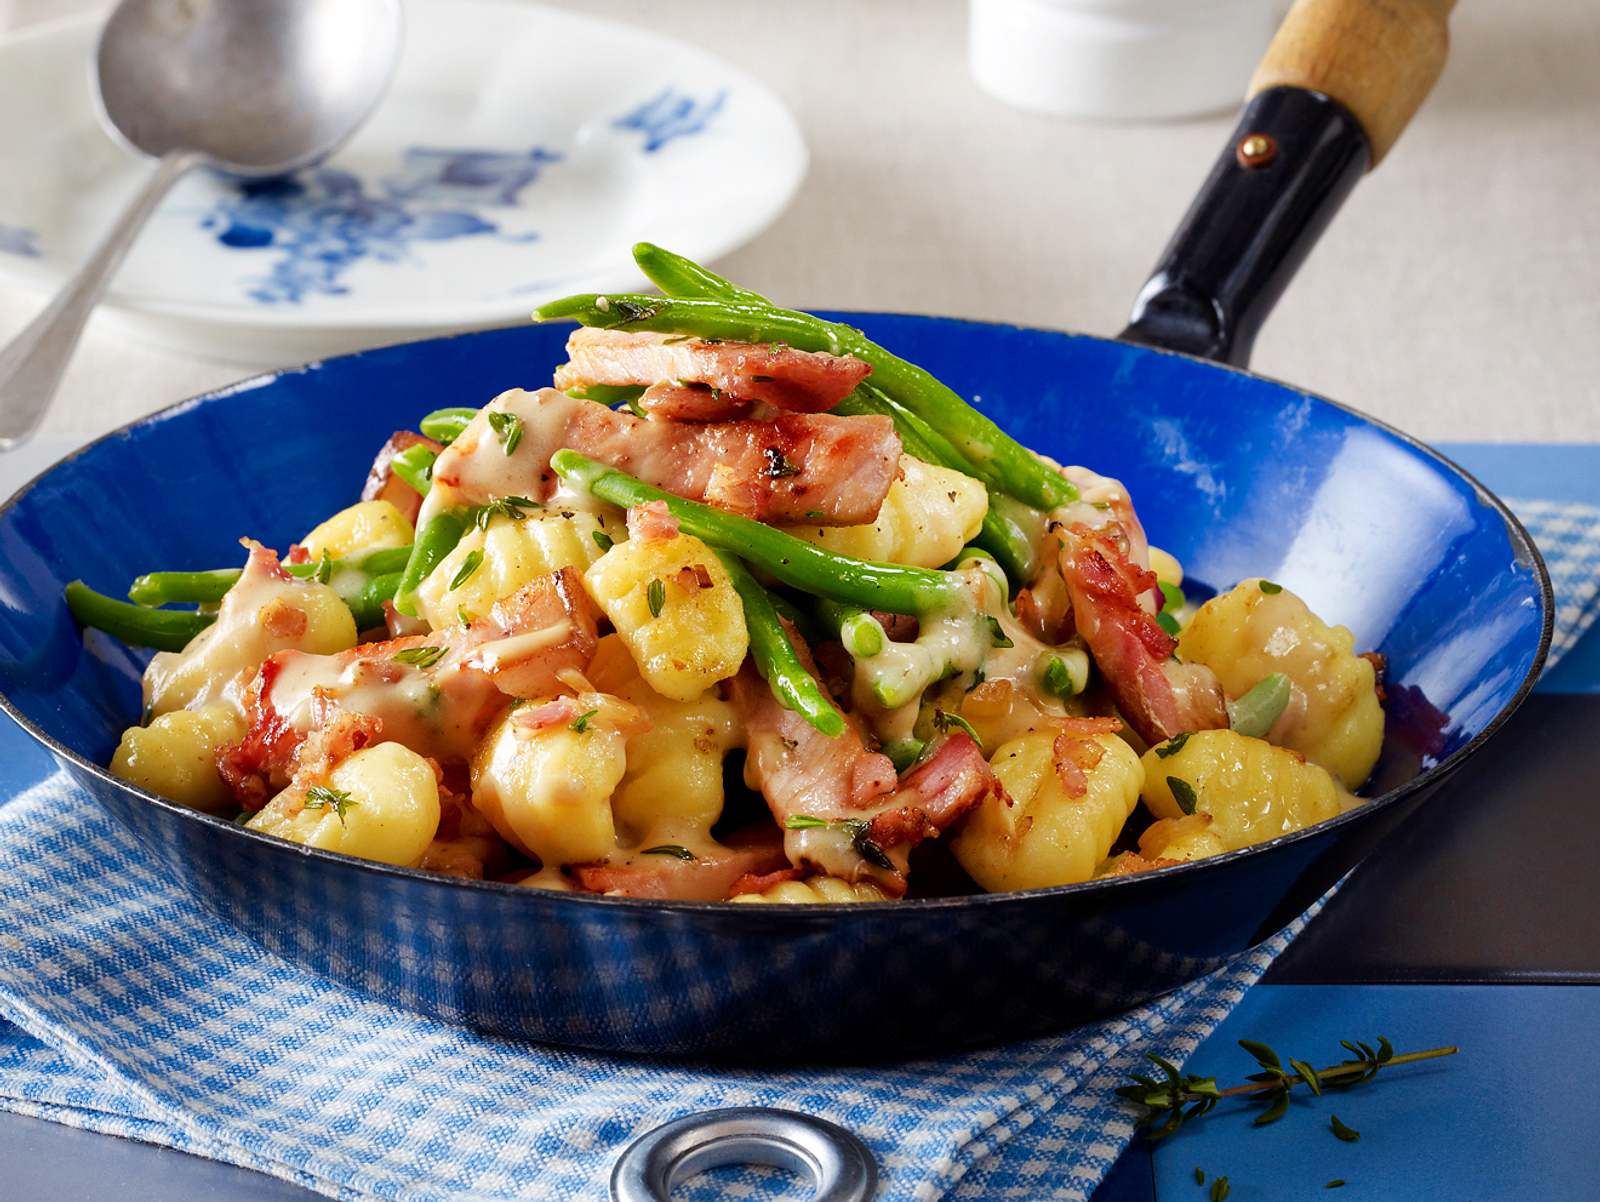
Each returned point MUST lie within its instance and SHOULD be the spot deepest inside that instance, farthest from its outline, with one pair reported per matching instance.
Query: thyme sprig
(1179, 1097)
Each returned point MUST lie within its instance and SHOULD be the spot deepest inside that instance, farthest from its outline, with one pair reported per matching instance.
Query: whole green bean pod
(995, 456)
(861, 633)
(864, 583)
(437, 538)
(678, 276)
(163, 629)
(445, 425)
(774, 654)
(348, 576)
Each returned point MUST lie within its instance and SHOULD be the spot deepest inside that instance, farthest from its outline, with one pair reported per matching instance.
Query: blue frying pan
(1236, 474)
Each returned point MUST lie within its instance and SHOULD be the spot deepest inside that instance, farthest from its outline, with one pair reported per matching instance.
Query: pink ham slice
(812, 468)
(383, 485)
(752, 372)
(1159, 696)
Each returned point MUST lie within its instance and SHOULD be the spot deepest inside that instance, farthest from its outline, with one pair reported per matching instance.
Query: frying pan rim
(1522, 546)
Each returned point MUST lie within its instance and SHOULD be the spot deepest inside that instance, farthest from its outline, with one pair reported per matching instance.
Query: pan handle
(1337, 86)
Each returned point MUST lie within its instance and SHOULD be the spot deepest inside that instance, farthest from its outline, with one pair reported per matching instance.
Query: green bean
(1255, 712)
(434, 541)
(163, 629)
(862, 635)
(996, 457)
(414, 465)
(903, 753)
(678, 276)
(208, 587)
(445, 425)
(1064, 673)
(774, 654)
(1007, 532)
(863, 583)
(366, 603)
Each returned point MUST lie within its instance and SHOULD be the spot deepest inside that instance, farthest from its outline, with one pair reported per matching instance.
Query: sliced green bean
(1255, 712)
(903, 753)
(1064, 673)
(862, 634)
(445, 425)
(996, 457)
(609, 395)
(163, 629)
(434, 541)
(893, 588)
(775, 656)
(414, 465)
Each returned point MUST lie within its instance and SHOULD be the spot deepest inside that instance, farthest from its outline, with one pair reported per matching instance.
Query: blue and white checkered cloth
(132, 1011)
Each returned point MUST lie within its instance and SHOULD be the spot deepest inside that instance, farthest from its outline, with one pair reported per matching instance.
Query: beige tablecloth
(1455, 296)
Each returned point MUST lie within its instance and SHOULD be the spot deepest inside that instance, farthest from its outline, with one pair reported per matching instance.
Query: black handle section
(1292, 160)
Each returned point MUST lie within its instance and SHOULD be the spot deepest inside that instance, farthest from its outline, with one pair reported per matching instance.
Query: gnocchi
(176, 756)
(1335, 719)
(1251, 790)
(1038, 834)
(509, 554)
(364, 527)
(381, 803)
(675, 608)
(829, 890)
(929, 514)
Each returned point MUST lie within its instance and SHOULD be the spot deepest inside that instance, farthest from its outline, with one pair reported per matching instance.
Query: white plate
(520, 153)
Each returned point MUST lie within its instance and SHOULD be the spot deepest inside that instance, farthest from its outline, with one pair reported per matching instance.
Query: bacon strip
(439, 705)
(383, 485)
(710, 876)
(767, 373)
(812, 468)
(1159, 696)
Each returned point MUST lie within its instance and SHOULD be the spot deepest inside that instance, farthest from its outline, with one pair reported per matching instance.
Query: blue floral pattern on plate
(670, 114)
(14, 240)
(322, 222)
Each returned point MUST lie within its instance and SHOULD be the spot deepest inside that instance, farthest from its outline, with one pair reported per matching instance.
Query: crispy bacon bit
(1159, 696)
(528, 639)
(1380, 672)
(1091, 726)
(282, 620)
(1075, 756)
(563, 711)
(675, 401)
(1129, 862)
(383, 485)
(901, 628)
(843, 465)
(652, 521)
(752, 882)
(710, 876)
(297, 554)
(693, 577)
(770, 373)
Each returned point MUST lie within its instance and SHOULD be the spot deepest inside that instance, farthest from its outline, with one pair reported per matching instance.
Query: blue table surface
(1508, 1118)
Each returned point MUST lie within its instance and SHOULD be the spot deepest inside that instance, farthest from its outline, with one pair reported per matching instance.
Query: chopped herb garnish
(669, 849)
(1270, 588)
(945, 722)
(1348, 1134)
(321, 797)
(761, 379)
(581, 722)
(515, 508)
(859, 830)
(815, 515)
(507, 428)
(997, 632)
(673, 341)
(1182, 793)
(470, 564)
(804, 822)
(603, 540)
(1336, 1183)
(778, 465)
(655, 596)
(1168, 623)
(325, 568)
(1172, 746)
(1199, 1175)
(1220, 1189)
(1171, 596)
(419, 657)
(633, 311)
(463, 616)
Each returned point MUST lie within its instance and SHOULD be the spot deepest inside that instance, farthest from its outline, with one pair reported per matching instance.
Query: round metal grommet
(838, 1164)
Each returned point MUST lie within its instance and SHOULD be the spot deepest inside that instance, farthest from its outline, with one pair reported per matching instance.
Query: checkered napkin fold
(132, 1011)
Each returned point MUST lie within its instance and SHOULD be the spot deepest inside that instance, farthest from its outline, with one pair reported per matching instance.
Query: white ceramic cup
(1119, 59)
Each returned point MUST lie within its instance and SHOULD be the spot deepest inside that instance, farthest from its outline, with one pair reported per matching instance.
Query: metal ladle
(250, 88)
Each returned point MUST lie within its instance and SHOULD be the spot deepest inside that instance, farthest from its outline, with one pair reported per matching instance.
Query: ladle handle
(32, 363)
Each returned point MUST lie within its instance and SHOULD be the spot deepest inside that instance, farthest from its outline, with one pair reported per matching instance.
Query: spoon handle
(32, 364)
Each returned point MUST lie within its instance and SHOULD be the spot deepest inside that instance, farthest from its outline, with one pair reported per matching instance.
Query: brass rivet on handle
(1256, 150)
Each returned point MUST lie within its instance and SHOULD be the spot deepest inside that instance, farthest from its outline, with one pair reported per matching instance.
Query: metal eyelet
(839, 1166)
